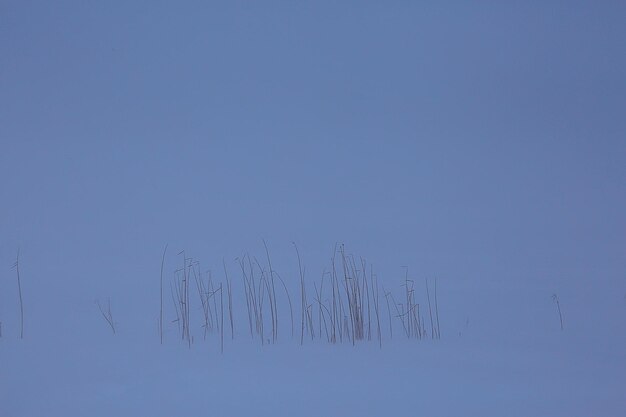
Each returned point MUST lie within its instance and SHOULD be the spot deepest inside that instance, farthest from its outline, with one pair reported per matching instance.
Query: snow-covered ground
(494, 358)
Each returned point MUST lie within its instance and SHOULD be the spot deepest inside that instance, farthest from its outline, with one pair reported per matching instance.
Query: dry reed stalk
(430, 313)
(555, 298)
(16, 265)
(221, 319)
(230, 301)
(274, 307)
(376, 304)
(107, 314)
(303, 302)
(161, 309)
(437, 311)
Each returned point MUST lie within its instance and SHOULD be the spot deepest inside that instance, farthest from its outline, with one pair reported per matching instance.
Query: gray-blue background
(477, 141)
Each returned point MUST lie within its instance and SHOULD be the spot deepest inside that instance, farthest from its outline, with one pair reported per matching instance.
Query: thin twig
(107, 314)
(161, 310)
(16, 265)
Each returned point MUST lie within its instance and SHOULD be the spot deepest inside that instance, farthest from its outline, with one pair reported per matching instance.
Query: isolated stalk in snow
(558, 307)
(161, 310)
(16, 265)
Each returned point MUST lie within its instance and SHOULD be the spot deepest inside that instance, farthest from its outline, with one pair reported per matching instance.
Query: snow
(495, 364)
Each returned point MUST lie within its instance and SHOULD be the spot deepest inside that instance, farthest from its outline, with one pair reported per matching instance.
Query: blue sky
(483, 140)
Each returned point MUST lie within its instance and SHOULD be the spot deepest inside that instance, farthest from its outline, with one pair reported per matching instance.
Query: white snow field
(501, 353)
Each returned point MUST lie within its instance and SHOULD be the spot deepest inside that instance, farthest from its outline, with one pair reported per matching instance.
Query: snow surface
(509, 358)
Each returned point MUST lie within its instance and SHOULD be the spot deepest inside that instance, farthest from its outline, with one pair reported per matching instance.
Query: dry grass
(342, 306)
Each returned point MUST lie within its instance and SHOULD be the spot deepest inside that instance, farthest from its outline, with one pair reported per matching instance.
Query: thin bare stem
(388, 313)
(16, 265)
(558, 306)
(288, 299)
(221, 319)
(161, 310)
(273, 295)
(106, 313)
(430, 312)
(303, 302)
(230, 301)
(437, 311)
